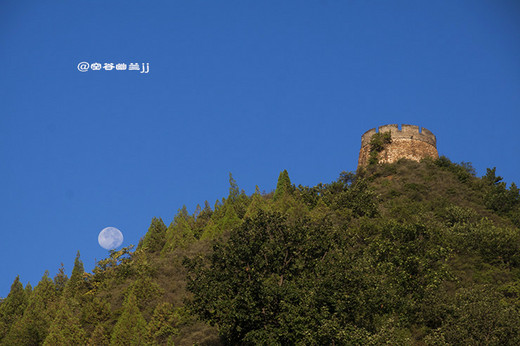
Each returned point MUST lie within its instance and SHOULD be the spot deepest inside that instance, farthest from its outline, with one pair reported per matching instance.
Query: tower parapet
(409, 142)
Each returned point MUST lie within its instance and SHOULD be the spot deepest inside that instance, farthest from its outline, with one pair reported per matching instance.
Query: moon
(110, 238)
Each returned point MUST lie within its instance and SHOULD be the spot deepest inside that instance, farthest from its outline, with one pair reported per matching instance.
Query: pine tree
(283, 186)
(207, 207)
(28, 291)
(230, 219)
(75, 286)
(12, 307)
(155, 238)
(257, 204)
(65, 329)
(237, 198)
(211, 230)
(130, 328)
(147, 293)
(99, 336)
(202, 218)
(95, 311)
(197, 211)
(33, 327)
(60, 280)
(180, 232)
(234, 192)
(163, 325)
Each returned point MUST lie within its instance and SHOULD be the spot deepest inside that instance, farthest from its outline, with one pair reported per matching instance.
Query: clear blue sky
(248, 87)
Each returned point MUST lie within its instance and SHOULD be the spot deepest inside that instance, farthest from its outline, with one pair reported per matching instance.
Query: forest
(408, 253)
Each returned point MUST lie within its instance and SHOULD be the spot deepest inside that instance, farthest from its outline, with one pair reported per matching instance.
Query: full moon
(110, 238)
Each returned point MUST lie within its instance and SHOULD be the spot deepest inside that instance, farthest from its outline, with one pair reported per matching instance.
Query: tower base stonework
(408, 142)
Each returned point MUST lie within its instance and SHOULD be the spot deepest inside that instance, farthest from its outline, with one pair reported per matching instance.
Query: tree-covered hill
(405, 253)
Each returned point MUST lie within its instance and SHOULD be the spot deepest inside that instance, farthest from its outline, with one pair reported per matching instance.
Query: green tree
(378, 143)
(94, 312)
(65, 329)
(28, 291)
(237, 198)
(76, 285)
(130, 328)
(478, 316)
(257, 203)
(234, 191)
(99, 336)
(201, 220)
(249, 283)
(33, 327)
(164, 325)
(358, 197)
(230, 219)
(147, 293)
(60, 280)
(155, 238)
(12, 307)
(180, 232)
(283, 186)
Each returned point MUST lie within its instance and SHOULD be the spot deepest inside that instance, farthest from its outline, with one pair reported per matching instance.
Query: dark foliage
(404, 253)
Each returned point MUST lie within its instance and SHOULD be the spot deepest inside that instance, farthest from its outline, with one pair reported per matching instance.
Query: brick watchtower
(409, 142)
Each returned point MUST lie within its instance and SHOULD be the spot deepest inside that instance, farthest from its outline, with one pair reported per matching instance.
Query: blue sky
(248, 87)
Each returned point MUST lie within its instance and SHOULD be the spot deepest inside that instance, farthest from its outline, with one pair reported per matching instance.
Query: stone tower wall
(408, 143)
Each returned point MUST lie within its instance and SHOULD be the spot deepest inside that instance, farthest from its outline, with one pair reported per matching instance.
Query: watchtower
(409, 142)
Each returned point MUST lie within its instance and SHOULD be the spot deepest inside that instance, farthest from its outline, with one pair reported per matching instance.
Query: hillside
(403, 253)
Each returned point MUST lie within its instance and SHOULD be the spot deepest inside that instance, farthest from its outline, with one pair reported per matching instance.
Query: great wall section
(409, 142)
